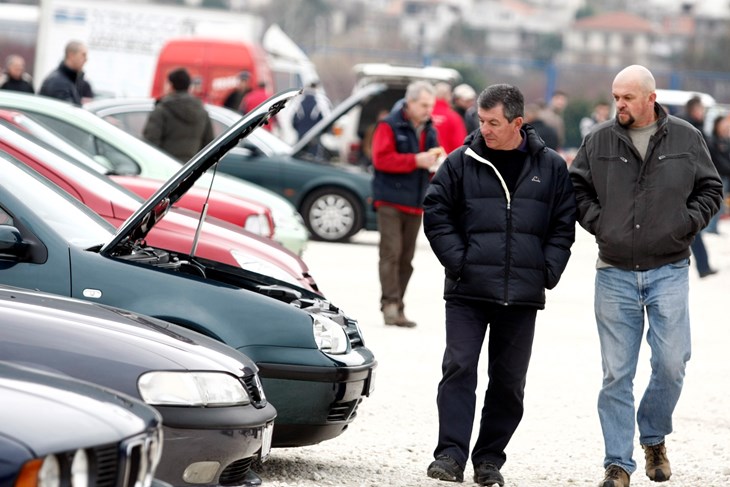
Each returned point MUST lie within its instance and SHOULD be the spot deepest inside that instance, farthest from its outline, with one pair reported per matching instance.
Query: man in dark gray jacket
(645, 186)
(179, 124)
(500, 216)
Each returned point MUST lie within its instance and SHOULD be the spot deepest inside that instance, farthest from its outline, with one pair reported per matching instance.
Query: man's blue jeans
(621, 300)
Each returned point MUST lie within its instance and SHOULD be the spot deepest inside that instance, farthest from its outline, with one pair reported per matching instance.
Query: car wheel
(332, 214)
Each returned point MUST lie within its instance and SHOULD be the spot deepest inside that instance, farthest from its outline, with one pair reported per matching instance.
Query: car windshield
(73, 221)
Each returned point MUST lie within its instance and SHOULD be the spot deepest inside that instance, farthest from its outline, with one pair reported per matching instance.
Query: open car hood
(361, 96)
(137, 226)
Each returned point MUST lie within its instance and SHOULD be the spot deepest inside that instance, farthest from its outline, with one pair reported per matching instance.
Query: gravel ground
(559, 441)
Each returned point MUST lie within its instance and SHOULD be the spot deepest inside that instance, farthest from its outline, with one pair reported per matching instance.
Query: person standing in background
(310, 108)
(254, 98)
(500, 216)
(179, 123)
(243, 86)
(601, 112)
(402, 159)
(694, 113)
(719, 145)
(15, 78)
(645, 186)
(552, 115)
(66, 81)
(447, 121)
(465, 104)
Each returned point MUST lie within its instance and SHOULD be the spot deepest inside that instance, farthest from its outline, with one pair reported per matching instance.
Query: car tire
(332, 214)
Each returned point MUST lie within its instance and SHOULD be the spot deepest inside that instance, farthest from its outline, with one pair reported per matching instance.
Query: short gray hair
(414, 90)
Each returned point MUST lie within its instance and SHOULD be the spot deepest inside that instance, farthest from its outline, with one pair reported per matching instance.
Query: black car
(57, 431)
(216, 418)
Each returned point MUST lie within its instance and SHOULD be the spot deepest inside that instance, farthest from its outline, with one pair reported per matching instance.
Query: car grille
(255, 390)
(106, 459)
(353, 333)
(235, 473)
(343, 411)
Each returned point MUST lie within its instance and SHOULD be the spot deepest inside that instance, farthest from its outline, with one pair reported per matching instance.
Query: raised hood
(359, 97)
(137, 226)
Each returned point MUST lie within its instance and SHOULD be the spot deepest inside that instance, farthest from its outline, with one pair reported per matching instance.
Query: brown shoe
(657, 463)
(390, 313)
(403, 321)
(615, 477)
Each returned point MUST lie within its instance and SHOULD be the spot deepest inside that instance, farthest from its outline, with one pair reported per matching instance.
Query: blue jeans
(621, 299)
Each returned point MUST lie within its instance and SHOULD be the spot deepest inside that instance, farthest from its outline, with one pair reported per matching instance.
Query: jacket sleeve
(589, 208)
(152, 131)
(385, 156)
(442, 208)
(561, 232)
(707, 194)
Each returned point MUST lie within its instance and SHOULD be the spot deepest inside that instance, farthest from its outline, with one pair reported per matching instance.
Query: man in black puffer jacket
(500, 216)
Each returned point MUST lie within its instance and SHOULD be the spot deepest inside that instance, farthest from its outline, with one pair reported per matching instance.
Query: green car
(311, 356)
(121, 154)
(334, 198)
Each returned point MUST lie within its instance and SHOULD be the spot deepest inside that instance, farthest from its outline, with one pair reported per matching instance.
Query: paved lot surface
(559, 441)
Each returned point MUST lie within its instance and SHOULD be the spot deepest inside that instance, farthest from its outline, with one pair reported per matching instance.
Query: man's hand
(427, 160)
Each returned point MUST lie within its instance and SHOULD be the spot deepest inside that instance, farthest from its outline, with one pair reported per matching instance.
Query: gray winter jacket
(645, 214)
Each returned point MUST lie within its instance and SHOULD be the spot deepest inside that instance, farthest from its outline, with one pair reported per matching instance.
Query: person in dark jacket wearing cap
(179, 124)
(500, 216)
(234, 98)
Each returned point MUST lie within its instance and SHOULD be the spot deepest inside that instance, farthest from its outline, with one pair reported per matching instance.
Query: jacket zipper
(469, 152)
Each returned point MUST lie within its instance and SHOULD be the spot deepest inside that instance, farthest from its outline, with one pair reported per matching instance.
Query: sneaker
(486, 473)
(446, 468)
(615, 477)
(657, 463)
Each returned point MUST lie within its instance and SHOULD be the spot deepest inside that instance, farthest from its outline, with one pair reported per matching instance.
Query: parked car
(208, 394)
(61, 431)
(242, 212)
(179, 231)
(335, 200)
(121, 153)
(313, 361)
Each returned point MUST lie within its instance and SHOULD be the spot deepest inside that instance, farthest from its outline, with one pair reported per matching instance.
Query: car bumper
(213, 446)
(314, 404)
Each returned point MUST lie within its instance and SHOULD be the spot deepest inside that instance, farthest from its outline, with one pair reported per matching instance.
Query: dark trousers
(511, 332)
(699, 252)
(398, 233)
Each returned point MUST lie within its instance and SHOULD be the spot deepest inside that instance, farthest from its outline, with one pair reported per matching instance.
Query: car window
(73, 221)
(5, 218)
(131, 122)
(105, 154)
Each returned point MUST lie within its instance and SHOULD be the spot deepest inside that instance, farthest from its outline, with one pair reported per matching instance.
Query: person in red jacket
(402, 159)
(447, 121)
(254, 98)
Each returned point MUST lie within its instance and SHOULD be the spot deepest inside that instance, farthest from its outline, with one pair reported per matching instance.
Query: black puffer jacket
(179, 125)
(495, 246)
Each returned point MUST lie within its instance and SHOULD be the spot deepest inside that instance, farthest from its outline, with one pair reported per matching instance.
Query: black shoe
(446, 468)
(709, 272)
(487, 473)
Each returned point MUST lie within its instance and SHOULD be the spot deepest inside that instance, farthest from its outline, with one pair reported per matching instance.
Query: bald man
(645, 186)
(67, 82)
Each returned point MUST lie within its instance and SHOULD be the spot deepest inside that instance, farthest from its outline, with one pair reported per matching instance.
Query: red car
(219, 240)
(243, 212)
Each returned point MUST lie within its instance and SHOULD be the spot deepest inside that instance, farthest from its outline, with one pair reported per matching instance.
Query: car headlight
(259, 225)
(56, 470)
(49, 474)
(330, 336)
(164, 388)
(80, 469)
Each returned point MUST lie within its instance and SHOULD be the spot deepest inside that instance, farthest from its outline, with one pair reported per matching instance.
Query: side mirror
(12, 245)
